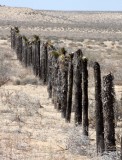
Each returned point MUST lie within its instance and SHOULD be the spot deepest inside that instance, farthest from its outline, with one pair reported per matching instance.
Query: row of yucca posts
(66, 77)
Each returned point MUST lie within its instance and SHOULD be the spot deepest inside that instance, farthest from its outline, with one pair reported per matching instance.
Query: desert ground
(31, 129)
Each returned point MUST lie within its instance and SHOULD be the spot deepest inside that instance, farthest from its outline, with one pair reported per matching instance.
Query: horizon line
(62, 9)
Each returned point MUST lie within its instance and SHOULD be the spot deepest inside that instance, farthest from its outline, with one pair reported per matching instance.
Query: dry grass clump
(4, 68)
(26, 80)
(76, 142)
(16, 100)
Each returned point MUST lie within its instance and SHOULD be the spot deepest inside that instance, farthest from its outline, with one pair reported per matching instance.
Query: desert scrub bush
(26, 80)
(16, 100)
(108, 156)
(4, 69)
(3, 38)
(76, 143)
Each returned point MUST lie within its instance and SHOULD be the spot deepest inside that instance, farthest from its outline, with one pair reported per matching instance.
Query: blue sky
(104, 5)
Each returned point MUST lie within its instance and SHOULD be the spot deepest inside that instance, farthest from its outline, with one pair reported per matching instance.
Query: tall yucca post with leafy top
(51, 50)
(121, 147)
(36, 42)
(44, 62)
(85, 96)
(109, 119)
(24, 50)
(19, 46)
(98, 109)
(12, 38)
(14, 31)
(78, 86)
(29, 57)
(64, 80)
(70, 88)
(55, 67)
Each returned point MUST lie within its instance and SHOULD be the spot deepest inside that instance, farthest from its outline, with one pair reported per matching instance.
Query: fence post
(37, 55)
(44, 62)
(24, 51)
(59, 89)
(108, 106)
(12, 38)
(85, 97)
(49, 84)
(14, 31)
(70, 87)
(19, 47)
(50, 71)
(121, 147)
(77, 86)
(29, 50)
(55, 77)
(98, 109)
(64, 81)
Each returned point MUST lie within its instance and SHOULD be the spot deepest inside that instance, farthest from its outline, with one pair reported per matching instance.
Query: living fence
(66, 77)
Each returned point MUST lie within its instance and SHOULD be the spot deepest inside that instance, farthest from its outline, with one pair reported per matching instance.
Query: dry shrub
(4, 68)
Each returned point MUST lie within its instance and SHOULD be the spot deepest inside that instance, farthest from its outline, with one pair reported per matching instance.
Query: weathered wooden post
(34, 56)
(24, 51)
(37, 55)
(98, 109)
(49, 85)
(19, 47)
(50, 50)
(121, 147)
(12, 38)
(29, 55)
(44, 62)
(70, 88)
(53, 75)
(59, 93)
(85, 97)
(78, 86)
(63, 63)
(109, 119)
(15, 32)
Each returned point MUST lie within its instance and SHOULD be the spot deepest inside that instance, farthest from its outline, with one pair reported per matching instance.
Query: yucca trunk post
(77, 82)
(56, 83)
(29, 50)
(12, 38)
(49, 85)
(37, 55)
(50, 50)
(109, 119)
(44, 62)
(54, 75)
(121, 147)
(19, 47)
(85, 97)
(33, 56)
(54, 78)
(64, 83)
(70, 88)
(98, 109)
(59, 89)
(24, 51)
(15, 33)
